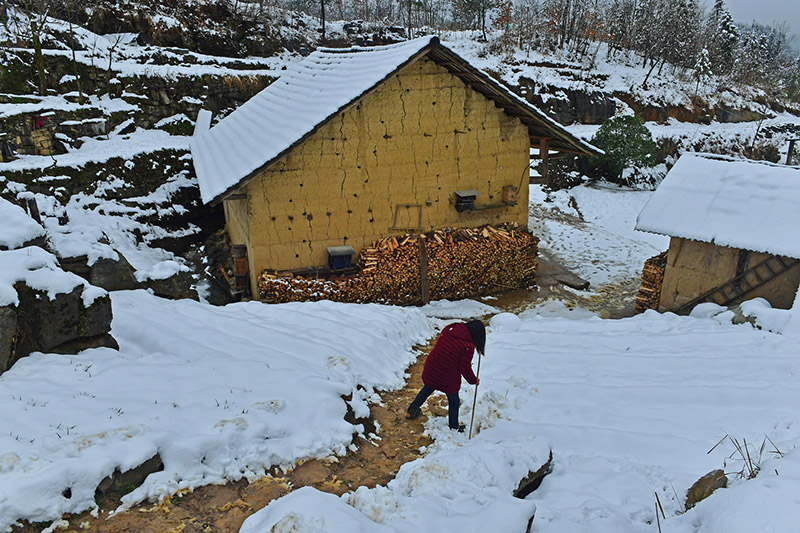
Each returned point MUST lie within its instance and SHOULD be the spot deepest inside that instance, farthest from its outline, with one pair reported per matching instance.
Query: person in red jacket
(450, 359)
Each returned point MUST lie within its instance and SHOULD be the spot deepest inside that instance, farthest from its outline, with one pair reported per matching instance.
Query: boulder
(84, 343)
(368, 422)
(110, 274)
(218, 256)
(59, 324)
(48, 323)
(705, 486)
(175, 287)
(123, 482)
(8, 331)
(568, 106)
(113, 274)
(217, 291)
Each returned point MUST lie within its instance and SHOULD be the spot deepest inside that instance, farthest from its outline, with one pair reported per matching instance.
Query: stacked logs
(461, 263)
(652, 279)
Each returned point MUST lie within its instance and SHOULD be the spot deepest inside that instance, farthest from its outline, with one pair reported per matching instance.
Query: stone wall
(389, 164)
(35, 133)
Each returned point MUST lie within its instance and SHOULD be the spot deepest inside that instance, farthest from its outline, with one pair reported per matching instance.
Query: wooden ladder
(758, 275)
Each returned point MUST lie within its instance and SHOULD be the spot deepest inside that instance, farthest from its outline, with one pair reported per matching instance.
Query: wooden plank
(543, 154)
(423, 270)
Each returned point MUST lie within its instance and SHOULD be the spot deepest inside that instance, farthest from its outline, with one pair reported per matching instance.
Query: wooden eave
(538, 126)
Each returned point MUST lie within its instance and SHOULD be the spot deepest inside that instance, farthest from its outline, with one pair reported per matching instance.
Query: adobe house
(733, 227)
(352, 145)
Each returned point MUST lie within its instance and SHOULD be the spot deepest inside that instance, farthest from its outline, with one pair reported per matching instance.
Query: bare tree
(37, 12)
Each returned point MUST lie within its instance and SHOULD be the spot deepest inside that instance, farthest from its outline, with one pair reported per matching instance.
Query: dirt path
(223, 508)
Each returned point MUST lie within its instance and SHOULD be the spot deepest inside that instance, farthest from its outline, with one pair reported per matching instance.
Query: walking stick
(475, 399)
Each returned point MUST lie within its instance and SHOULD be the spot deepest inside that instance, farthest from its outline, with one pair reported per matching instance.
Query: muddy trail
(223, 508)
(556, 282)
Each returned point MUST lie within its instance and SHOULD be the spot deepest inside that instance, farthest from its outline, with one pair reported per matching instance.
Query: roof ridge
(735, 159)
(432, 39)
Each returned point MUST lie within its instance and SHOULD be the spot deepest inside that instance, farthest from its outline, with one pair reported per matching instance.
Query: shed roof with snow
(311, 92)
(738, 203)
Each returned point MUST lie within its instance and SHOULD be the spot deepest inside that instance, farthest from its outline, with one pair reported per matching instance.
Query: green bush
(627, 143)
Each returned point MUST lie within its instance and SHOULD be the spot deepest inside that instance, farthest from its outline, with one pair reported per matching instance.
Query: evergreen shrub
(627, 144)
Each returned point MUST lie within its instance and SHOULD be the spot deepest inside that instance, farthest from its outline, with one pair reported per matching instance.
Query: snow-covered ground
(218, 393)
(629, 407)
(589, 229)
(597, 71)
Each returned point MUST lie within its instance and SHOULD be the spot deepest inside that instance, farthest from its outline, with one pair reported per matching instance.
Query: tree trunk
(652, 68)
(72, 47)
(75, 67)
(38, 58)
(409, 19)
(322, 4)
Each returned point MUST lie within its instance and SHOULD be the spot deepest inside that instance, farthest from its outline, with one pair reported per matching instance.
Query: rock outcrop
(569, 106)
(47, 309)
(109, 274)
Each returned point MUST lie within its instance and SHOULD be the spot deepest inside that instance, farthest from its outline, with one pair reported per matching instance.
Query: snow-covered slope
(630, 408)
(218, 393)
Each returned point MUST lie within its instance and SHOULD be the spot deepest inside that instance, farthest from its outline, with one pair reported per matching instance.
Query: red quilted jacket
(450, 359)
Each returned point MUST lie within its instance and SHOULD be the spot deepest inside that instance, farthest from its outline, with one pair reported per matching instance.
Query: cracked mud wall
(416, 139)
(694, 268)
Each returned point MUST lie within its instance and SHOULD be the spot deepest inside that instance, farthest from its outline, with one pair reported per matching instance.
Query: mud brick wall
(388, 165)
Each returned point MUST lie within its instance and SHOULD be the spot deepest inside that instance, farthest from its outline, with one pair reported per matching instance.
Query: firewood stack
(461, 263)
(652, 279)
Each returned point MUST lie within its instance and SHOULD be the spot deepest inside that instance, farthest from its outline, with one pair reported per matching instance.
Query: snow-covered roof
(311, 92)
(730, 202)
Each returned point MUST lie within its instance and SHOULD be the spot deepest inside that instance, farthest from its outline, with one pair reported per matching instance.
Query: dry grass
(750, 462)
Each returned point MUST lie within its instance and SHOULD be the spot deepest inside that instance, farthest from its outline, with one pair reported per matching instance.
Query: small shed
(733, 227)
(353, 145)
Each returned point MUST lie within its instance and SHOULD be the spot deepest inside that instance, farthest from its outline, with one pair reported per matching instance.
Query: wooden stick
(475, 399)
(225, 275)
(423, 271)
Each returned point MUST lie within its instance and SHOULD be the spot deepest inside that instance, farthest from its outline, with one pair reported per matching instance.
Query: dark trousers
(452, 404)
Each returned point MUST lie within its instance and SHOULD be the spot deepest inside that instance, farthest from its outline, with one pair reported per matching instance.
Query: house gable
(389, 164)
(329, 81)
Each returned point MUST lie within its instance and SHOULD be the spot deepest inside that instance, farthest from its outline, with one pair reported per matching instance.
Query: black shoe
(413, 412)
(460, 428)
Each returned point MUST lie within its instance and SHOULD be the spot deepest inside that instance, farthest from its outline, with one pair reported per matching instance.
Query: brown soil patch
(223, 508)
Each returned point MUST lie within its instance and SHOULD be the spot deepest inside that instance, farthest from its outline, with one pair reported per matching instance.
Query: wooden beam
(543, 153)
(423, 270)
(566, 150)
(790, 151)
